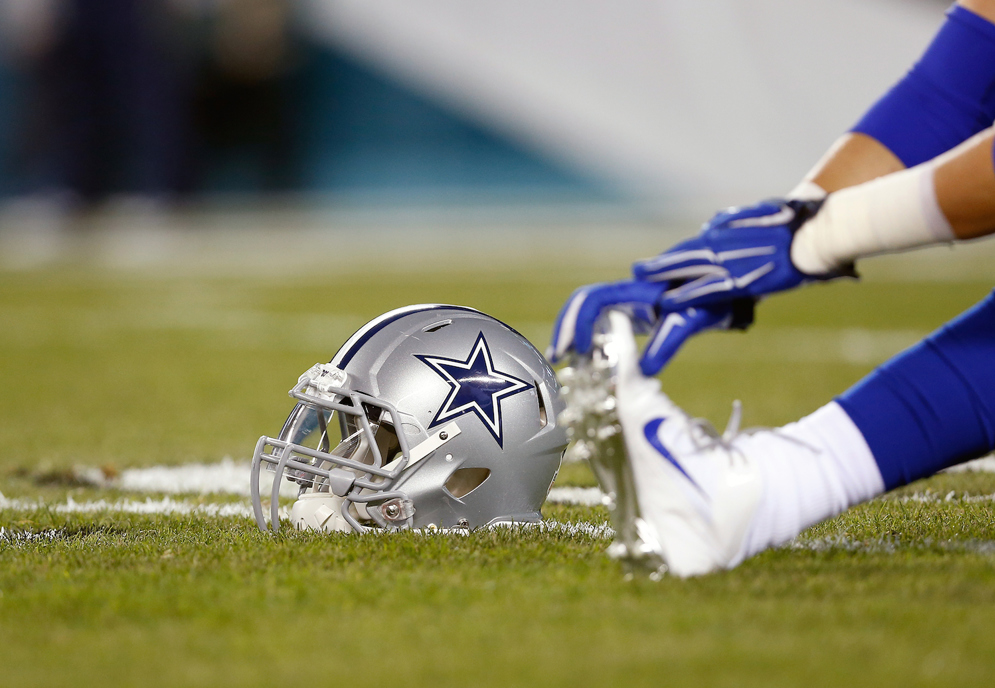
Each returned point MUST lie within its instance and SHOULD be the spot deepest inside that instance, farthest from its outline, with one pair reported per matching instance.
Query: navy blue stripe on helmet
(354, 349)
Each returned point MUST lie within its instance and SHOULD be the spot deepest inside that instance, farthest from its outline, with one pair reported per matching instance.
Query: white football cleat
(682, 497)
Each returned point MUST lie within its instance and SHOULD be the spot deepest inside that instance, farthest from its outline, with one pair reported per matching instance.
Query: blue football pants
(932, 406)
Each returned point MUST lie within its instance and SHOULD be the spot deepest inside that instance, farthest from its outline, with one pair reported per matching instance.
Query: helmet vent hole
(543, 420)
(465, 480)
(434, 327)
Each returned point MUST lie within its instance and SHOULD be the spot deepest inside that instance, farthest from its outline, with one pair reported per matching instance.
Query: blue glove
(677, 327)
(740, 253)
(574, 326)
(708, 282)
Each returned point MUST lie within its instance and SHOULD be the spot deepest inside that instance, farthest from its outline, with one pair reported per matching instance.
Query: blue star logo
(475, 387)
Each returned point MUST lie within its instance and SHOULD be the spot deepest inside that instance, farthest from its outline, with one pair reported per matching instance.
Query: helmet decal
(475, 387)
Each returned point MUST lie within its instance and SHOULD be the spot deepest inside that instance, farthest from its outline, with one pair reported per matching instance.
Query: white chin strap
(319, 511)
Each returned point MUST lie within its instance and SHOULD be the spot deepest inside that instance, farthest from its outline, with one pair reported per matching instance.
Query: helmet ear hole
(465, 480)
(543, 419)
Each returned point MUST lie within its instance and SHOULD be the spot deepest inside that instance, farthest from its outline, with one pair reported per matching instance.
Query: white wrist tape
(806, 191)
(892, 213)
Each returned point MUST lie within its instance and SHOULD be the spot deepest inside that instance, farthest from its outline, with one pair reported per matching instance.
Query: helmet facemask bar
(336, 471)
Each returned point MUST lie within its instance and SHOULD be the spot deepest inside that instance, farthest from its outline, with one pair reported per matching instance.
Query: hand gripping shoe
(682, 497)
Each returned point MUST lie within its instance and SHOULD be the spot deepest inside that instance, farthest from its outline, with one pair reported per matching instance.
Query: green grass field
(126, 368)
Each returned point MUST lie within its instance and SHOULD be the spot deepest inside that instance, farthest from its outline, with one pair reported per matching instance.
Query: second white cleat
(682, 497)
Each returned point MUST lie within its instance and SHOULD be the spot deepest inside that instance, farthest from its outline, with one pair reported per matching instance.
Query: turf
(121, 369)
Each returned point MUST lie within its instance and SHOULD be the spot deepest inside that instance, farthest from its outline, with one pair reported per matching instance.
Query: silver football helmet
(428, 416)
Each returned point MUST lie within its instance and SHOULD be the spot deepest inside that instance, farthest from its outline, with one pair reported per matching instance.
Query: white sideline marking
(166, 506)
(581, 496)
(224, 477)
(985, 464)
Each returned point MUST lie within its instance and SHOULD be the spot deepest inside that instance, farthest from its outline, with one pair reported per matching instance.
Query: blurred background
(145, 118)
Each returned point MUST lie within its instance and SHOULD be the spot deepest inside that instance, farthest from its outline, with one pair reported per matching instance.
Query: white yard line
(581, 496)
(165, 506)
(225, 477)
(985, 464)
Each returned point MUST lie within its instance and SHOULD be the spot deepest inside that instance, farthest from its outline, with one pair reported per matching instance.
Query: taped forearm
(892, 213)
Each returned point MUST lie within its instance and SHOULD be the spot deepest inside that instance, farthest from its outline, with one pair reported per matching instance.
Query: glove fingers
(704, 290)
(675, 329)
(574, 327)
(637, 299)
(683, 264)
(564, 329)
(668, 336)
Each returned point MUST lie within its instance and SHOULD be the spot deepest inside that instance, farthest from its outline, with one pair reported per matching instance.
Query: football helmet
(430, 416)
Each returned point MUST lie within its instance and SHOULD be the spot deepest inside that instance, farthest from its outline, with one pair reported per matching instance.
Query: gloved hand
(711, 281)
(677, 327)
(668, 331)
(575, 324)
(740, 253)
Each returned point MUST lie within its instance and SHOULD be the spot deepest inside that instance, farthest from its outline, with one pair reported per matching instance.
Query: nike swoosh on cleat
(650, 432)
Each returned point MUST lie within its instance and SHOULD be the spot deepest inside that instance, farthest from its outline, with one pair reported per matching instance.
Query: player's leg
(932, 406)
(706, 502)
(928, 408)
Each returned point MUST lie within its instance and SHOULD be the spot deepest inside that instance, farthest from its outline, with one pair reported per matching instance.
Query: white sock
(812, 470)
